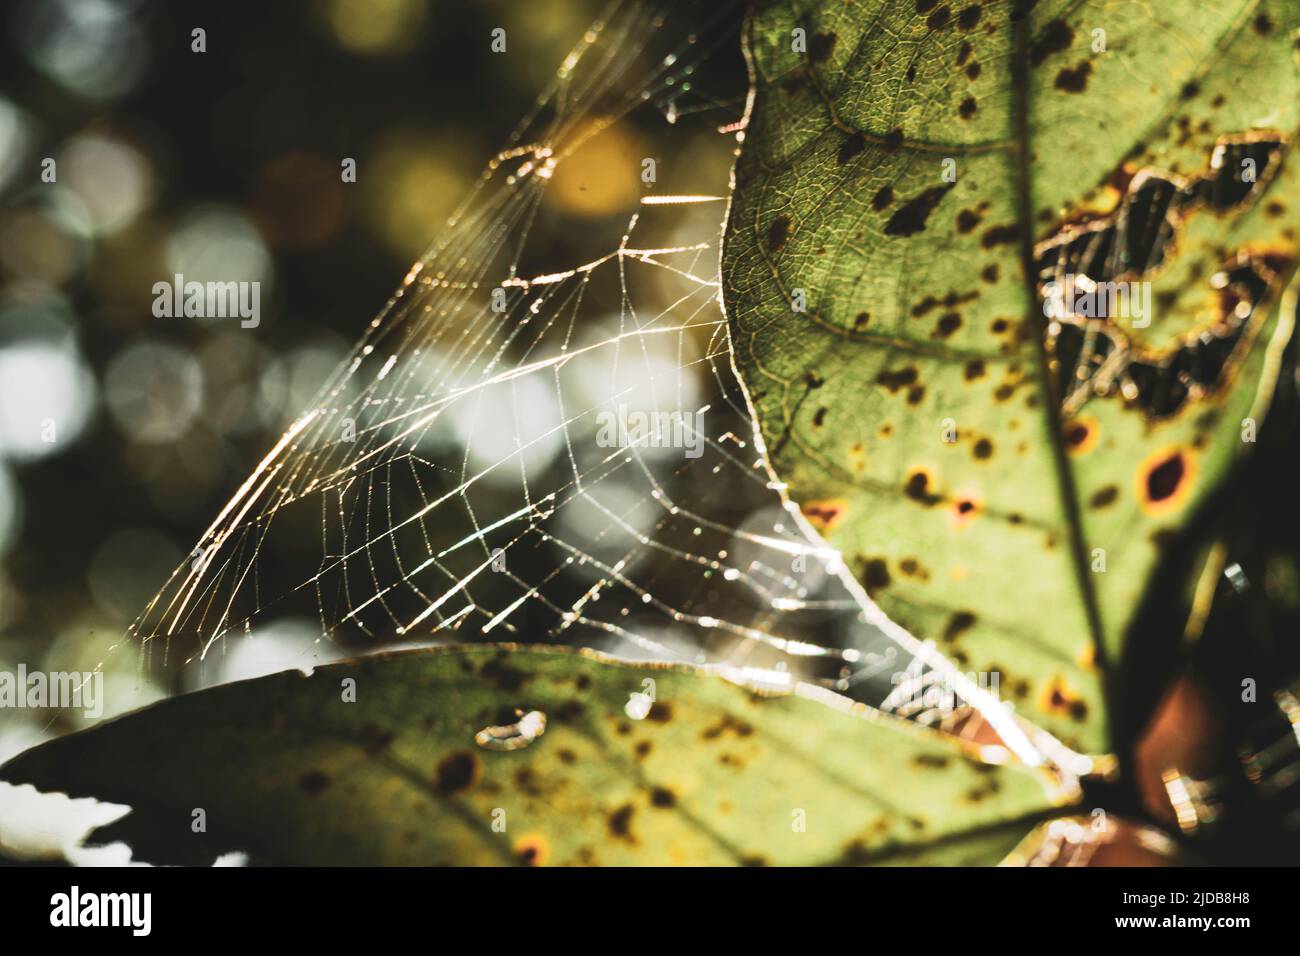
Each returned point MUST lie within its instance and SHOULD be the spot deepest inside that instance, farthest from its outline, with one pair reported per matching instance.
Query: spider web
(454, 479)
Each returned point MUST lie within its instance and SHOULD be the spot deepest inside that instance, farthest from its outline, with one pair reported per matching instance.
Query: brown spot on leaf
(850, 148)
(967, 220)
(569, 712)
(620, 823)
(875, 575)
(1059, 699)
(663, 798)
(990, 272)
(959, 622)
(1104, 496)
(527, 782)
(917, 488)
(1019, 10)
(924, 306)
(948, 323)
(531, 850)
(1074, 80)
(983, 448)
(1056, 36)
(457, 773)
(1080, 435)
(969, 18)
(855, 853)
(913, 569)
(897, 378)
(823, 515)
(727, 722)
(778, 233)
(883, 197)
(999, 235)
(939, 19)
(1164, 480)
(911, 217)
(821, 46)
(974, 369)
(968, 107)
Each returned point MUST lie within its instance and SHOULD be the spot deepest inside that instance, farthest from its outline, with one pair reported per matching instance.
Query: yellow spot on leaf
(1081, 434)
(824, 515)
(531, 849)
(1060, 700)
(1164, 480)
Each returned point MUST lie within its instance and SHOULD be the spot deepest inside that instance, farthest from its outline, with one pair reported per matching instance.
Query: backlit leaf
(287, 771)
(916, 175)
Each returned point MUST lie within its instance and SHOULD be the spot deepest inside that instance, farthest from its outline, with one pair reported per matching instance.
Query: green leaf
(925, 317)
(290, 773)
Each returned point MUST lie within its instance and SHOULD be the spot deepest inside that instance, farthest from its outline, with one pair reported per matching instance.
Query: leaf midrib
(1021, 150)
(1021, 95)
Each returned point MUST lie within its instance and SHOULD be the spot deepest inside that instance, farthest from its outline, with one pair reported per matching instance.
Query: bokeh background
(223, 164)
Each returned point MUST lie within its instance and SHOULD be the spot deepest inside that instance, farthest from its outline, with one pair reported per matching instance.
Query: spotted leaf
(1005, 280)
(414, 771)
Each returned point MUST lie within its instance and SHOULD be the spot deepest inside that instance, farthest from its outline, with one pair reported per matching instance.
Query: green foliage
(1004, 485)
(288, 771)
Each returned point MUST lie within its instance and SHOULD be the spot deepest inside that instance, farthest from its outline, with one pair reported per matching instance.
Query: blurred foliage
(231, 157)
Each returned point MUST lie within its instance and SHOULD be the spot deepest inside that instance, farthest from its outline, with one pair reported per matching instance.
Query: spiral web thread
(453, 468)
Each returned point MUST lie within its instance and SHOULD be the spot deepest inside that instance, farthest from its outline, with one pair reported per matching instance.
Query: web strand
(457, 469)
